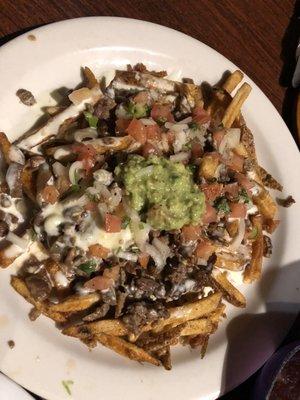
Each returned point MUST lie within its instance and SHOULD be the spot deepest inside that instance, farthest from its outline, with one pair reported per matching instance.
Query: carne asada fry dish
(128, 210)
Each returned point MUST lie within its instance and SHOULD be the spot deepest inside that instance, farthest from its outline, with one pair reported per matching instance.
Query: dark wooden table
(260, 36)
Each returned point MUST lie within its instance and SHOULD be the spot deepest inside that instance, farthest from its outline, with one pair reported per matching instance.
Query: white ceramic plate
(11, 391)
(42, 357)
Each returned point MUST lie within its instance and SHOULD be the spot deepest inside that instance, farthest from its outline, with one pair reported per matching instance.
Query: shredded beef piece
(26, 97)
(103, 107)
(202, 279)
(36, 161)
(140, 67)
(287, 202)
(109, 296)
(11, 344)
(100, 312)
(141, 313)
(267, 246)
(38, 287)
(3, 229)
(216, 231)
(121, 298)
(210, 263)
(178, 274)
(146, 288)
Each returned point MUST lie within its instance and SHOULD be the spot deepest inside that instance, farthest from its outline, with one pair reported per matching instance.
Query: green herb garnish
(66, 385)
(91, 119)
(137, 110)
(193, 125)
(243, 195)
(161, 120)
(92, 197)
(88, 267)
(221, 204)
(125, 222)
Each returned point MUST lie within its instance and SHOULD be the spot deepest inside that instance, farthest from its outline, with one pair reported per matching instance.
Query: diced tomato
(190, 233)
(112, 223)
(232, 189)
(91, 206)
(50, 194)
(141, 98)
(137, 130)
(162, 111)
(122, 124)
(244, 181)
(143, 260)
(212, 191)
(210, 214)
(197, 150)
(149, 149)
(204, 250)
(218, 137)
(235, 162)
(99, 283)
(238, 210)
(153, 133)
(170, 137)
(86, 154)
(200, 115)
(96, 250)
(112, 273)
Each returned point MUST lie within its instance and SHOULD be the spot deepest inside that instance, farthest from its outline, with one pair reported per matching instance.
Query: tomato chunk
(122, 124)
(235, 162)
(244, 181)
(153, 133)
(218, 137)
(149, 149)
(99, 283)
(112, 223)
(232, 189)
(162, 112)
(96, 250)
(212, 191)
(190, 233)
(204, 250)
(137, 130)
(200, 115)
(210, 214)
(238, 210)
(86, 154)
(141, 98)
(197, 150)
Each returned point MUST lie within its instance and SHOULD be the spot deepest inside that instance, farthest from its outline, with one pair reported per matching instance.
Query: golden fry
(230, 293)
(265, 204)
(107, 326)
(90, 78)
(201, 326)
(126, 349)
(234, 107)
(232, 81)
(253, 270)
(76, 303)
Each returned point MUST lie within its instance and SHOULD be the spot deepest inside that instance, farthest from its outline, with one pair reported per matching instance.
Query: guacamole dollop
(162, 190)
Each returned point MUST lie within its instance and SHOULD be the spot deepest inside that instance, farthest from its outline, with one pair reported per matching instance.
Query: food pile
(129, 208)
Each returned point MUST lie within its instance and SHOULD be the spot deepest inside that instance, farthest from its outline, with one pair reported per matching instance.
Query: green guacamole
(163, 190)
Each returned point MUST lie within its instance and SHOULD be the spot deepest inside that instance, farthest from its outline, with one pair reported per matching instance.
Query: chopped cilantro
(91, 119)
(93, 197)
(187, 146)
(243, 195)
(221, 204)
(88, 267)
(66, 385)
(161, 120)
(125, 222)
(137, 110)
(194, 126)
(192, 168)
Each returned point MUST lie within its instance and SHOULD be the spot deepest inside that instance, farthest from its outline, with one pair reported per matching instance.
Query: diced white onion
(17, 240)
(103, 176)
(156, 255)
(162, 247)
(147, 121)
(126, 255)
(231, 139)
(16, 155)
(61, 280)
(75, 167)
(180, 141)
(87, 133)
(180, 157)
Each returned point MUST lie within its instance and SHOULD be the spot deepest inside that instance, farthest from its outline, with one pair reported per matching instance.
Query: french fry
(19, 285)
(164, 356)
(76, 303)
(234, 107)
(151, 341)
(268, 180)
(108, 326)
(5, 147)
(217, 314)
(229, 262)
(126, 349)
(265, 204)
(230, 293)
(208, 167)
(232, 81)
(253, 269)
(193, 94)
(202, 326)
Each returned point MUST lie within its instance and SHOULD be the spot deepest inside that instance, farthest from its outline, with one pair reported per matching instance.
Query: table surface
(260, 36)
